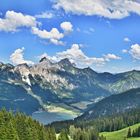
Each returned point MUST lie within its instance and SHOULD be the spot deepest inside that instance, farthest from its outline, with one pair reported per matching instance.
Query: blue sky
(102, 34)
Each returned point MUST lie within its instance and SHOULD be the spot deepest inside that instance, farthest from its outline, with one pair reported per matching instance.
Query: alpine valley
(70, 70)
(60, 91)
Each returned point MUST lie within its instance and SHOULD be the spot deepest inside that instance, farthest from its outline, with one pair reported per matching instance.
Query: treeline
(84, 134)
(75, 133)
(109, 123)
(134, 133)
(115, 122)
(20, 127)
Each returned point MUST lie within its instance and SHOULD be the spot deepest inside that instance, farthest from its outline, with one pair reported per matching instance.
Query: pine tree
(20, 127)
(63, 135)
(129, 133)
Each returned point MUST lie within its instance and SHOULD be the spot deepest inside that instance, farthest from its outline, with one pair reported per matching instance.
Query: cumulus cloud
(66, 26)
(109, 56)
(51, 58)
(113, 9)
(77, 56)
(135, 51)
(46, 14)
(13, 21)
(54, 35)
(126, 39)
(18, 57)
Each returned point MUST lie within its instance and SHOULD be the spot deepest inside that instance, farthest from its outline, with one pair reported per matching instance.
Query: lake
(45, 117)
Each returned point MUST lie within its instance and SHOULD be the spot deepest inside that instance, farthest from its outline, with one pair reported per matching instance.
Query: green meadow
(120, 134)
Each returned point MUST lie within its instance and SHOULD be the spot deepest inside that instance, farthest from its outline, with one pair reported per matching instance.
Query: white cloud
(113, 9)
(124, 51)
(18, 57)
(13, 21)
(54, 35)
(66, 26)
(135, 51)
(77, 56)
(46, 14)
(126, 39)
(56, 42)
(51, 58)
(109, 56)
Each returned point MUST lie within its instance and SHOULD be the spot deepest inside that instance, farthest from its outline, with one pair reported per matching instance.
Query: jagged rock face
(61, 82)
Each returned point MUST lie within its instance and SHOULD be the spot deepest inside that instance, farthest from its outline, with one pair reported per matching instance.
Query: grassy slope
(120, 134)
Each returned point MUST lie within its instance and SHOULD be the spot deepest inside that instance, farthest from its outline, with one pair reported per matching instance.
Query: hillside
(114, 127)
(54, 87)
(120, 134)
(114, 104)
(21, 127)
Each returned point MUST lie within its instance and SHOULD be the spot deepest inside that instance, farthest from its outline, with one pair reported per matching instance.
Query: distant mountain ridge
(114, 104)
(61, 84)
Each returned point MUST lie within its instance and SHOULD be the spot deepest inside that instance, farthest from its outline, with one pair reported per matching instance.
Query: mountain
(59, 86)
(114, 104)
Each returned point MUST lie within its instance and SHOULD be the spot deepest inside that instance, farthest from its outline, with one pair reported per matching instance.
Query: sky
(101, 34)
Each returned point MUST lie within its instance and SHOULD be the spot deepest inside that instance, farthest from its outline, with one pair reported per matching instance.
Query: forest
(134, 133)
(21, 127)
(18, 126)
(108, 123)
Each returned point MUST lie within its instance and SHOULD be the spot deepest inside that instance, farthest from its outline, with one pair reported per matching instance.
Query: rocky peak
(46, 60)
(65, 62)
(23, 66)
(9, 65)
(6, 66)
(44, 63)
(23, 69)
(88, 69)
(1, 63)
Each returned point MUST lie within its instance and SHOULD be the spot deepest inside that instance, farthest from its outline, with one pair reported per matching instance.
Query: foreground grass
(120, 134)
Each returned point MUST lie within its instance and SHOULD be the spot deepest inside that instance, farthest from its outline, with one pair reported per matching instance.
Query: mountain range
(59, 86)
(114, 104)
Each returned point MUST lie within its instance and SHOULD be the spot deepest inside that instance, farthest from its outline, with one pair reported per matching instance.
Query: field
(120, 134)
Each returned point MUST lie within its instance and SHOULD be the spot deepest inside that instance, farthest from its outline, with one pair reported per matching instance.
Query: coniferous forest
(21, 127)
(108, 123)
(133, 133)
